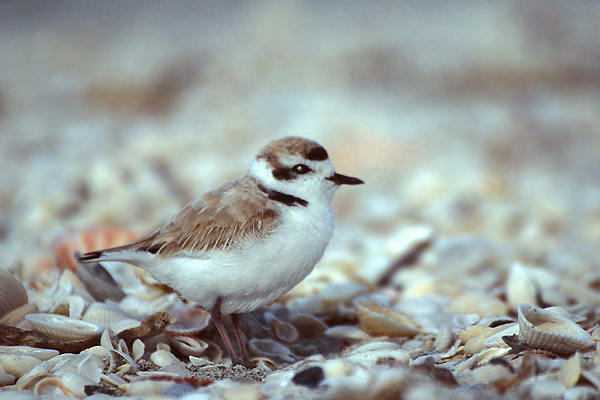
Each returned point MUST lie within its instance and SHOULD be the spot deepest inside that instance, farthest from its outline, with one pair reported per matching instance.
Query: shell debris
(467, 266)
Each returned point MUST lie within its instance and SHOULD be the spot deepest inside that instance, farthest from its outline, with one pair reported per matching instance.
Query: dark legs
(240, 339)
(215, 313)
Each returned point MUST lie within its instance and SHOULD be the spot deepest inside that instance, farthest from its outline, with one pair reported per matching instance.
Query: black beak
(340, 179)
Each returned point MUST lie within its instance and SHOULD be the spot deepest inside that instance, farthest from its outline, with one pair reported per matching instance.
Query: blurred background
(480, 120)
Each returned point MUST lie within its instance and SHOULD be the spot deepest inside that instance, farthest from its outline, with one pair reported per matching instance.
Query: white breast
(258, 272)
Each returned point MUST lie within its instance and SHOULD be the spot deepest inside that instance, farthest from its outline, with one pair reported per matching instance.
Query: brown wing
(217, 220)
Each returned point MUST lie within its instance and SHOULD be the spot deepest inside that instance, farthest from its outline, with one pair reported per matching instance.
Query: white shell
(188, 346)
(109, 316)
(51, 385)
(40, 354)
(548, 330)
(63, 328)
(190, 321)
(18, 364)
(163, 358)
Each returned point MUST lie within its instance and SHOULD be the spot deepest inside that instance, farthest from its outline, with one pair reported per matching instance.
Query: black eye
(300, 169)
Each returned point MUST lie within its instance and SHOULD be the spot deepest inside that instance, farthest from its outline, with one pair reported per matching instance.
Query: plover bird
(247, 243)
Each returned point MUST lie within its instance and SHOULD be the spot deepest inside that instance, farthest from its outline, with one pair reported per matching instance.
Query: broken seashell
(38, 372)
(347, 332)
(548, 330)
(264, 363)
(68, 384)
(188, 346)
(63, 328)
(51, 385)
(380, 320)
(477, 343)
(17, 364)
(72, 307)
(163, 358)
(189, 321)
(16, 316)
(109, 316)
(137, 349)
(570, 372)
(524, 284)
(372, 353)
(13, 295)
(40, 354)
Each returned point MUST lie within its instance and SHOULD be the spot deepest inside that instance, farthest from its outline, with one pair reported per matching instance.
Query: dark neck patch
(317, 154)
(283, 198)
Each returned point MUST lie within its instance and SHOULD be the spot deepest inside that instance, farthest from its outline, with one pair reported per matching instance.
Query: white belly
(258, 272)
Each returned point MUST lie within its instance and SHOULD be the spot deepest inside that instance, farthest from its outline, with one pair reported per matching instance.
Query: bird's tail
(92, 256)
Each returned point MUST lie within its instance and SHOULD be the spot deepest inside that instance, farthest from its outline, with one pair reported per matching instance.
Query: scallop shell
(63, 328)
(379, 320)
(548, 330)
(85, 240)
(109, 316)
(190, 321)
(13, 295)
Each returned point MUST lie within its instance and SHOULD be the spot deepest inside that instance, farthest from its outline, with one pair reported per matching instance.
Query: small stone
(310, 377)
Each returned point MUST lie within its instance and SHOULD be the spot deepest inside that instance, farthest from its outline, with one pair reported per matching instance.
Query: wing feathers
(218, 220)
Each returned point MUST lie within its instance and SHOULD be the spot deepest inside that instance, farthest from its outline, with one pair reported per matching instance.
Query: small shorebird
(247, 243)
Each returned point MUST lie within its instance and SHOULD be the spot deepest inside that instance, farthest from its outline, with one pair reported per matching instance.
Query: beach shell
(347, 333)
(476, 337)
(190, 320)
(570, 372)
(188, 346)
(551, 331)
(51, 385)
(308, 325)
(63, 328)
(16, 316)
(137, 349)
(68, 384)
(109, 316)
(524, 284)
(17, 364)
(375, 352)
(71, 306)
(163, 358)
(285, 332)
(40, 354)
(86, 240)
(270, 349)
(13, 295)
(380, 320)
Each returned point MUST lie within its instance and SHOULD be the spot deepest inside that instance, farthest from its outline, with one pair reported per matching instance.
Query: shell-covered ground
(467, 266)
